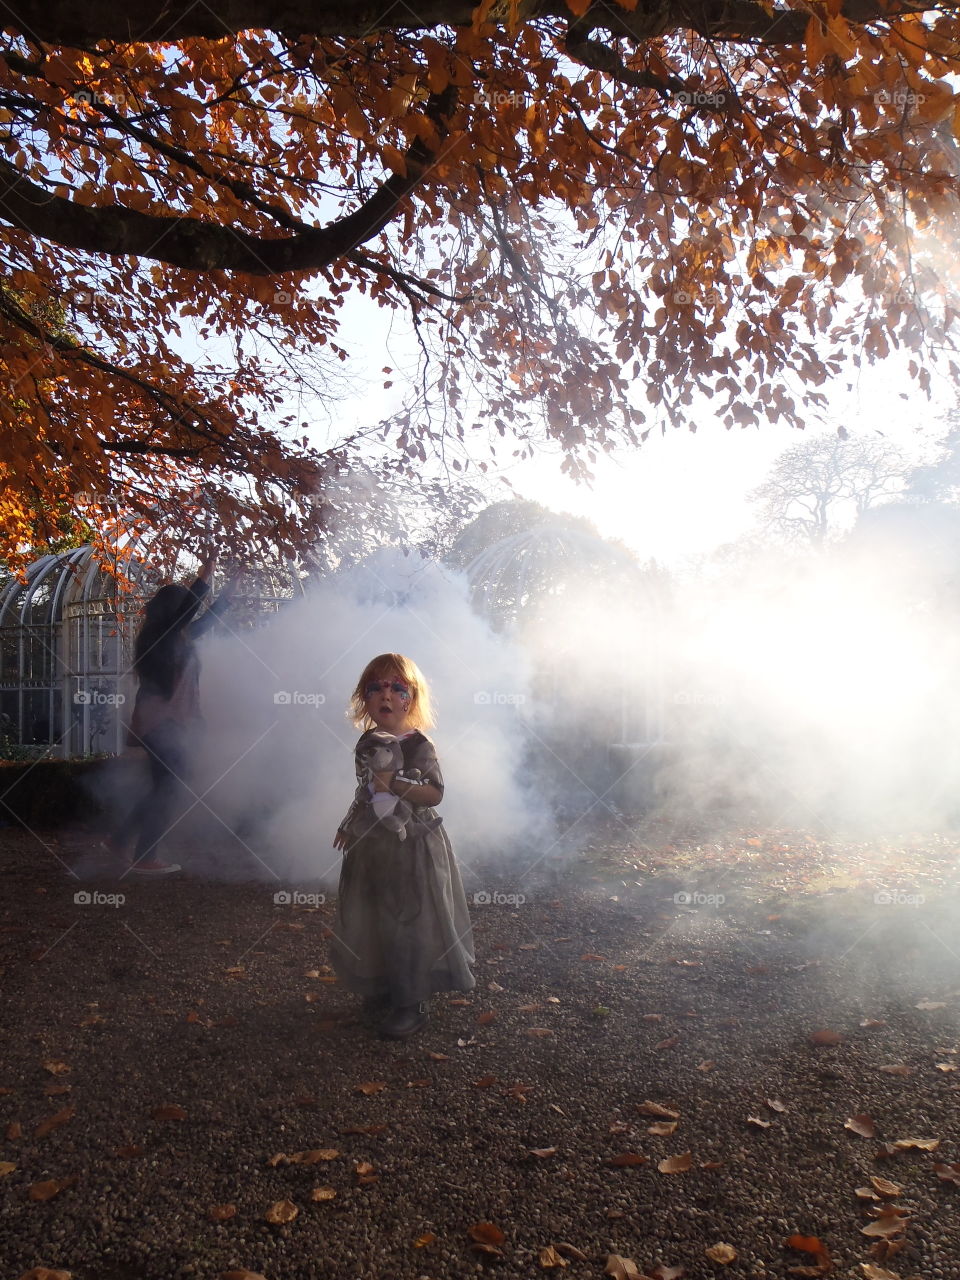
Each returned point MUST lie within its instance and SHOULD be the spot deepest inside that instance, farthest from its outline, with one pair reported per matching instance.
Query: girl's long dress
(402, 925)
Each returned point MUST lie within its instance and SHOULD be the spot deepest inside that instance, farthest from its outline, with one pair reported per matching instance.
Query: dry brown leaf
(712, 1164)
(323, 1193)
(706, 1065)
(549, 1258)
(865, 1193)
(52, 1187)
(424, 1241)
(648, 1108)
(872, 1272)
(873, 1022)
(484, 1082)
(14, 1131)
(897, 1069)
(365, 1129)
(666, 1273)
(862, 1125)
(128, 1153)
(590, 956)
(280, 1212)
(621, 1268)
(314, 1156)
(486, 1233)
(484, 1018)
(670, 1043)
(222, 1212)
(371, 1086)
(758, 1123)
(775, 1105)
(663, 1128)
(6, 1166)
(676, 1164)
(948, 1173)
(884, 1250)
(419, 1084)
(543, 1153)
(55, 1068)
(652, 1017)
(54, 1122)
(888, 1224)
(539, 1032)
(810, 1244)
(946, 1066)
(438, 1057)
(722, 1253)
(886, 1188)
(54, 1090)
(627, 1160)
(916, 1144)
(825, 1037)
(571, 1251)
(169, 1112)
(931, 1004)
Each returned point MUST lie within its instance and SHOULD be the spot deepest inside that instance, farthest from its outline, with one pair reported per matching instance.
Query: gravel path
(183, 1040)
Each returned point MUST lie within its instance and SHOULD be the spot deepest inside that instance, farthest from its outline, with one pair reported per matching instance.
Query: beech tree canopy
(594, 215)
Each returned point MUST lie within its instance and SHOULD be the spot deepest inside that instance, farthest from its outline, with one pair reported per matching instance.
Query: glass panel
(10, 716)
(10, 655)
(36, 717)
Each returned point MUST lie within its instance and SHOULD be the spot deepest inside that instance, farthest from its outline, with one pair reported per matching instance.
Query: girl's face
(388, 699)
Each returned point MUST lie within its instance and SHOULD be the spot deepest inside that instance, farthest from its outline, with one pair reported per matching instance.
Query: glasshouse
(67, 632)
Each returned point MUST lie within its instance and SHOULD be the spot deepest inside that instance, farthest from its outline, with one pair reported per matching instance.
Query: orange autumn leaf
(676, 1164)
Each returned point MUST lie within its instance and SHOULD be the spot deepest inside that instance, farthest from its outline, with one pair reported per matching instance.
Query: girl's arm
(416, 792)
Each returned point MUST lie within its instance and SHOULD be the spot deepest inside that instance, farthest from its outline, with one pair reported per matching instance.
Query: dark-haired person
(166, 715)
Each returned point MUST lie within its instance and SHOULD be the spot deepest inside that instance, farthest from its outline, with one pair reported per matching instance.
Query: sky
(681, 494)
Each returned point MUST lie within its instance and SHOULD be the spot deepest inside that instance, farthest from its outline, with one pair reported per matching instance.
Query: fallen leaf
(621, 1268)
(371, 1086)
(648, 1108)
(825, 1037)
(484, 1018)
(886, 1188)
(775, 1105)
(723, 1253)
(549, 1258)
(865, 1193)
(946, 1066)
(169, 1112)
(627, 1160)
(571, 1251)
(539, 1032)
(6, 1166)
(666, 1273)
(543, 1153)
(52, 1187)
(810, 1244)
(129, 1152)
(437, 1057)
(419, 1084)
(888, 1224)
(863, 1125)
(676, 1164)
(707, 1065)
(712, 1164)
(221, 1212)
(590, 956)
(55, 1090)
(365, 1129)
(652, 1017)
(663, 1128)
(948, 1173)
(873, 1272)
(422, 1242)
(917, 1144)
(931, 1004)
(897, 1069)
(323, 1193)
(55, 1068)
(484, 1082)
(486, 1233)
(54, 1122)
(670, 1043)
(873, 1022)
(280, 1212)
(758, 1123)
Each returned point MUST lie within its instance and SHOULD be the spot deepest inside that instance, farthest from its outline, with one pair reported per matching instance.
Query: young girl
(402, 930)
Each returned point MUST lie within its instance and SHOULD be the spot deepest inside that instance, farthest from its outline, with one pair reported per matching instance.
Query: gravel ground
(190, 1035)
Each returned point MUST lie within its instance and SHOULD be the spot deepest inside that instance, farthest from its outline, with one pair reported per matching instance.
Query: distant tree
(827, 482)
(939, 480)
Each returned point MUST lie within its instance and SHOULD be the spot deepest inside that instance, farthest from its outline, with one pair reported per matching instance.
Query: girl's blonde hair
(384, 667)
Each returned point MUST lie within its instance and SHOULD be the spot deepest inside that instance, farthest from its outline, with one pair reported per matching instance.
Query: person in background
(166, 715)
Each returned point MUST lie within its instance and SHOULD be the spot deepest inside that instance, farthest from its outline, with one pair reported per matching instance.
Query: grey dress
(402, 927)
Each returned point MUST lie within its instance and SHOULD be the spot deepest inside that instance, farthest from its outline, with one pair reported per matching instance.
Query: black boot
(404, 1020)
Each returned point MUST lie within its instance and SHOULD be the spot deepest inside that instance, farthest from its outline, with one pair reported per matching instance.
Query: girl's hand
(340, 840)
